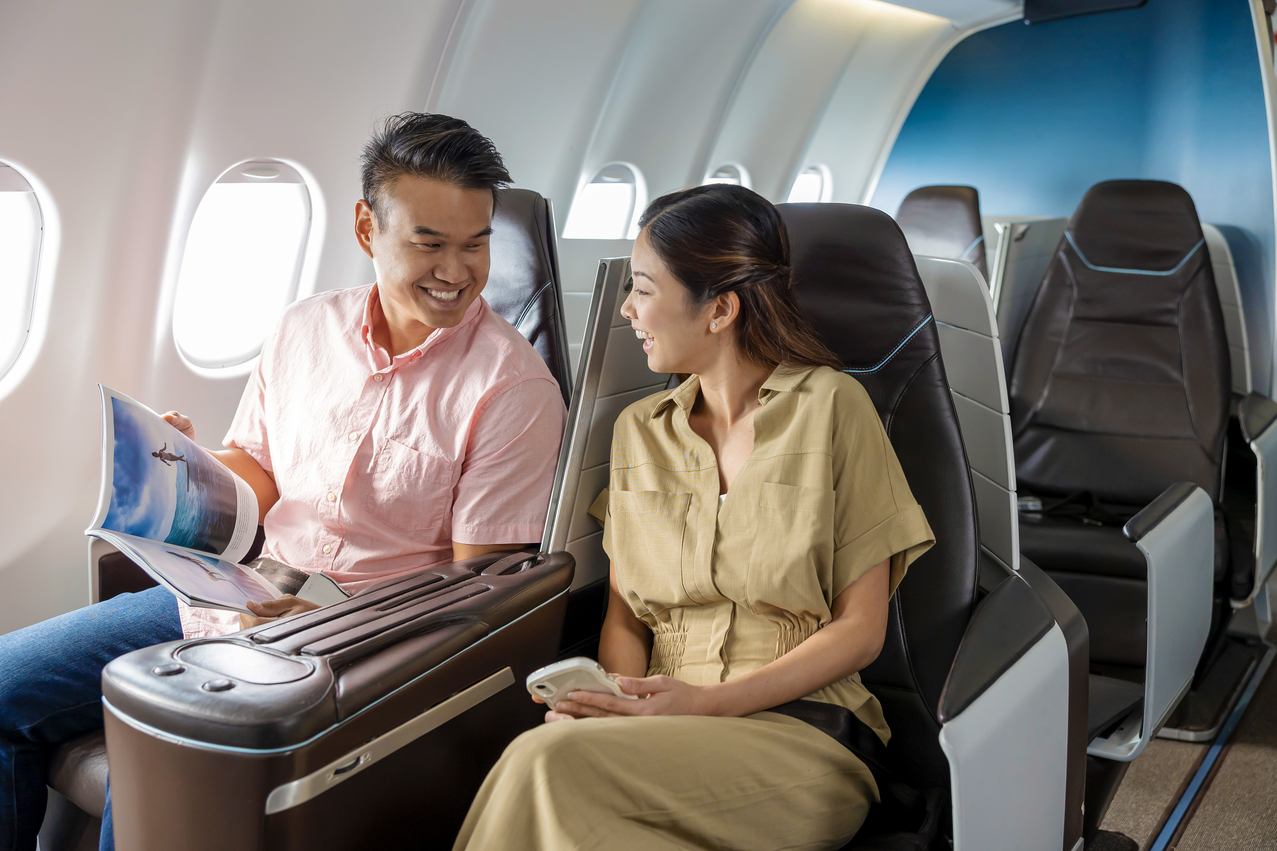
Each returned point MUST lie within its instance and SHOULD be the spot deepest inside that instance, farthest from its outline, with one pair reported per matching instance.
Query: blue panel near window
(1034, 116)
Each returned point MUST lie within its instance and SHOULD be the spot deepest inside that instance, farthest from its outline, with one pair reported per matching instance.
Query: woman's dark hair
(430, 145)
(721, 238)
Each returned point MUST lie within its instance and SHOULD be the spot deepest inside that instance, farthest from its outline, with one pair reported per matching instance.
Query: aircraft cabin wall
(122, 117)
(1034, 116)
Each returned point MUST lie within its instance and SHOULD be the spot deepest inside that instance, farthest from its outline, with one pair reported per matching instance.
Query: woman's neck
(729, 387)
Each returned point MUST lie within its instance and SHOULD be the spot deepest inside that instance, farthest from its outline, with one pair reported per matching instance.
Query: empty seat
(1119, 389)
(944, 221)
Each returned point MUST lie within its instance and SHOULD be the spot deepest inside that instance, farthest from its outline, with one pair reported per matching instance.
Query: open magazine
(175, 510)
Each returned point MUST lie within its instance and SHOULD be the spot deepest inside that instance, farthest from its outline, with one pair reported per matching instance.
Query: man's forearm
(246, 467)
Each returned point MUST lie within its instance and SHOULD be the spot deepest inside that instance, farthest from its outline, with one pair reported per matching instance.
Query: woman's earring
(713, 326)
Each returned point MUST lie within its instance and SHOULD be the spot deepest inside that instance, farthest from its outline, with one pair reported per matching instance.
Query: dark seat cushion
(78, 770)
(1067, 544)
(1110, 701)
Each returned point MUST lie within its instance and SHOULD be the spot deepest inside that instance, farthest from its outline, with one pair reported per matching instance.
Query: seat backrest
(968, 331)
(613, 375)
(1120, 384)
(944, 221)
(856, 279)
(523, 284)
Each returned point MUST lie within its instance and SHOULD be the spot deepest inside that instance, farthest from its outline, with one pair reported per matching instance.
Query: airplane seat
(1119, 399)
(963, 311)
(523, 287)
(982, 698)
(944, 221)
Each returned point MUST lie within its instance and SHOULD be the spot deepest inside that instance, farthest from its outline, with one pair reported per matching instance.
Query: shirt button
(354, 435)
(377, 377)
(328, 548)
(332, 497)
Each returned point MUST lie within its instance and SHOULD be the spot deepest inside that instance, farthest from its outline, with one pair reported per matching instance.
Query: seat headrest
(944, 221)
(523, 283)
(1135, 225)
(859, 286)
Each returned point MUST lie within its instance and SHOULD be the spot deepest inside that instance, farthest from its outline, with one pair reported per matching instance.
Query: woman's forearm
(844, 646)
(625, 643)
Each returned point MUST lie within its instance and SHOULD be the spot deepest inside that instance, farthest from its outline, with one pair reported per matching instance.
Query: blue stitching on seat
(979, 239)
(1069, 236)
(894, 351)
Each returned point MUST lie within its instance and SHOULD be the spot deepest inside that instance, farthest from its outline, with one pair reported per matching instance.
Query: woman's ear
(723, 311)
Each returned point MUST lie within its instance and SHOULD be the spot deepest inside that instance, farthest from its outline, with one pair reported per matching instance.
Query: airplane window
(241, 264)
(21, 229)
(609, 206)
(814, 184)
(736, 175)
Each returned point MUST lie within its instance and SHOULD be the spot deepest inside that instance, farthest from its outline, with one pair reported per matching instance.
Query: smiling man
(401, 424)
(385, 429)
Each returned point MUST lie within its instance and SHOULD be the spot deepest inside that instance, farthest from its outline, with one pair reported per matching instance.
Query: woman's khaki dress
(725, 590)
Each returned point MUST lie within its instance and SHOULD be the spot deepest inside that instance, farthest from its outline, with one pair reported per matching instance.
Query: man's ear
(365, 225)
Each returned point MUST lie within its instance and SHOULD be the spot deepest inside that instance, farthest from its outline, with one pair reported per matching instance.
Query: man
(385, 429)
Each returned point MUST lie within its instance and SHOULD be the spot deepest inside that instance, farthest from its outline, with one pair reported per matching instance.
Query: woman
(757, 521)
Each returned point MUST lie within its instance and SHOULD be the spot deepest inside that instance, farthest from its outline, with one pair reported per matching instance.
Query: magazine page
(160, 485)
(198, 579)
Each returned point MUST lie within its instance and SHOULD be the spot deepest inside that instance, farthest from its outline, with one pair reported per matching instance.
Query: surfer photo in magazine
(384, 429)
(171, 460)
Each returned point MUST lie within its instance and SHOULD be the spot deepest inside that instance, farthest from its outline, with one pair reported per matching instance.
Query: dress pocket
(411, 489)
(647, 529)
(793, 546)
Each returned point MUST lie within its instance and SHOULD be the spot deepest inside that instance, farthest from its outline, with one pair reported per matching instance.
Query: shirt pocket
(793, 548)
(411, 489)
(647, 530)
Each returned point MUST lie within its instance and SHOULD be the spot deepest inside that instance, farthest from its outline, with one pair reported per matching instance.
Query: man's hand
(181, 422)
(269, 610)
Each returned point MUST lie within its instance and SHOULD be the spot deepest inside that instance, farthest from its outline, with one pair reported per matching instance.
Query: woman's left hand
(269, 610)
(665, 696)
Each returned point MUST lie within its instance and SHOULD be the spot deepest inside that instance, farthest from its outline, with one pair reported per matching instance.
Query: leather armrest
(1007, 623)
(1255, 414)
(1157, 511)
(1176, 534)
(1007, 696)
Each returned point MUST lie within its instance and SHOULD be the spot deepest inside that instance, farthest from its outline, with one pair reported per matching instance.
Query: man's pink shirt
(382, 463)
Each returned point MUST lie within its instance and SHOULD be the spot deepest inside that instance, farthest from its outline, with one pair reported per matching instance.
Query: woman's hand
(665, 696)
(269, 610)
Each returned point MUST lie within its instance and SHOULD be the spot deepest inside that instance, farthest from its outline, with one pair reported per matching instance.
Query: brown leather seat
(1119, 388)
(944, 221)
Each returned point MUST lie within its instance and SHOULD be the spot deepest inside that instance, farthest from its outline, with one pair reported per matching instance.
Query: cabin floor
(1236, 807)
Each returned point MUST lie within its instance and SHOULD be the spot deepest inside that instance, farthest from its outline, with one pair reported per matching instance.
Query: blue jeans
(51, 692)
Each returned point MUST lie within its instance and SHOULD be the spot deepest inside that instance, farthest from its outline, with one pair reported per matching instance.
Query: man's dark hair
(434, 146)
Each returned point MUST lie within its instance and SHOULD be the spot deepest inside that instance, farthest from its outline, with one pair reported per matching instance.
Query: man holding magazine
(384, 429)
